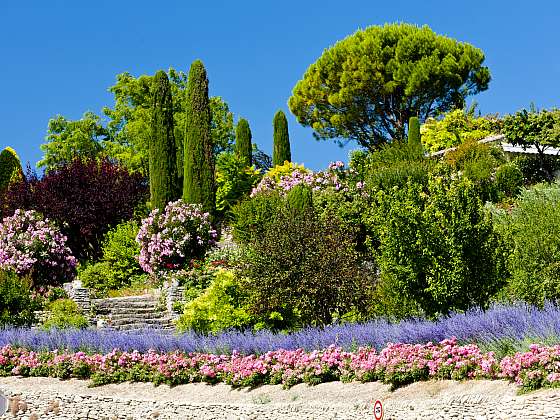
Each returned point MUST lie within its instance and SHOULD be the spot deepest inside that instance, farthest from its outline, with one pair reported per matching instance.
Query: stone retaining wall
(47, 398)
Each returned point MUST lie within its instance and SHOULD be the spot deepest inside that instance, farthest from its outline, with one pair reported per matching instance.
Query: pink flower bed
(397, 364)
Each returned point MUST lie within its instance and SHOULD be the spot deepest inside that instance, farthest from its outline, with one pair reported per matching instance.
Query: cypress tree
(163, 164)
(10, 167)
(414, 131)
(243, 147)
(198, 183)
(281, 151)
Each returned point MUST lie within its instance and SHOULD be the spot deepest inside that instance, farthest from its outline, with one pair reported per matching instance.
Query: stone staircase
(132, 313)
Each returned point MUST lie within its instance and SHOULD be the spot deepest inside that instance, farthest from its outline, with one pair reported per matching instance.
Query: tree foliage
(67, 140)
(243, 147)
(281, 152)
(125, 136)
(367, 86)
(199, 185)
(457, 127)
(164, 179)
(540, 129)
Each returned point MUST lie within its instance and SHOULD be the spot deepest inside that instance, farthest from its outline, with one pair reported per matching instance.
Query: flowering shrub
(396, 364)
(287, 176)
(31, 245)
(537, 368)
(173, 238)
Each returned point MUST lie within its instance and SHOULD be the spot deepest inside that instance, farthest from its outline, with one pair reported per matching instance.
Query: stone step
(133, 320)
(129, 310)
(143, 326)
(124, 305)
(138, 328)
(128, 299)
(132, 315)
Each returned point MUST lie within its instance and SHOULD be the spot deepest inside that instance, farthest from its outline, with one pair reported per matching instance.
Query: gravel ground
(47, 398)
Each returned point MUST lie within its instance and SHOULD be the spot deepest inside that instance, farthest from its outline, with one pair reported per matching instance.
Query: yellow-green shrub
(220, 307)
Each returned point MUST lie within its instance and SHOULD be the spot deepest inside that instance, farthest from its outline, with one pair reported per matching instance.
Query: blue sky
(59, 57)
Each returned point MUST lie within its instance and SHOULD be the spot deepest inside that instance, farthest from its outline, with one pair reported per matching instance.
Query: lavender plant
(513, 322)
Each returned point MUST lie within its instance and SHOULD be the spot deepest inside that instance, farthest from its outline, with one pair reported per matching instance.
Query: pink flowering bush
(397, 364)
(170, 240)
(32, 245)
(537, 368)
(333, 178)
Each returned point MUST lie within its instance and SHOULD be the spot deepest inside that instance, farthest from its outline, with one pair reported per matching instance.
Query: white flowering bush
(170, 240)
(32, 245)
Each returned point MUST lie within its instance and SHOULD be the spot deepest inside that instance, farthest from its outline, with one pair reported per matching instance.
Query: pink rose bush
(32, 245)
(170, 240)
(396, 364)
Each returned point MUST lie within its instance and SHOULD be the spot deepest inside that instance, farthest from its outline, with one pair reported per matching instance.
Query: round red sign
(378, 410)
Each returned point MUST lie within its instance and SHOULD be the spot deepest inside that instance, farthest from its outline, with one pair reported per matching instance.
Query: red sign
(377, 410)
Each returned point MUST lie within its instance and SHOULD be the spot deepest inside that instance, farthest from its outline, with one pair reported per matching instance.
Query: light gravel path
(47, 398)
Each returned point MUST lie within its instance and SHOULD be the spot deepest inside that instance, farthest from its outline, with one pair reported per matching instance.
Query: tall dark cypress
(163, 164)
(243, 147)
(281, 151)
(198, 182)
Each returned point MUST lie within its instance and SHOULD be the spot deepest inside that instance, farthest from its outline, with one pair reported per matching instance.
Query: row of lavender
(396, 364)
(499, 324)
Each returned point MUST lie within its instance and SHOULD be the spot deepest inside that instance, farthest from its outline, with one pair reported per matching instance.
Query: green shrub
(119, 265)
(509, 179)
(16, 303)
(394, 165)
(300, 198)
(478, 162)
(532, 231)
(304, 270)
(234, 181)
(252, 216)
(219, 307)
(535, 169)
(64, 313)
(437, 246)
